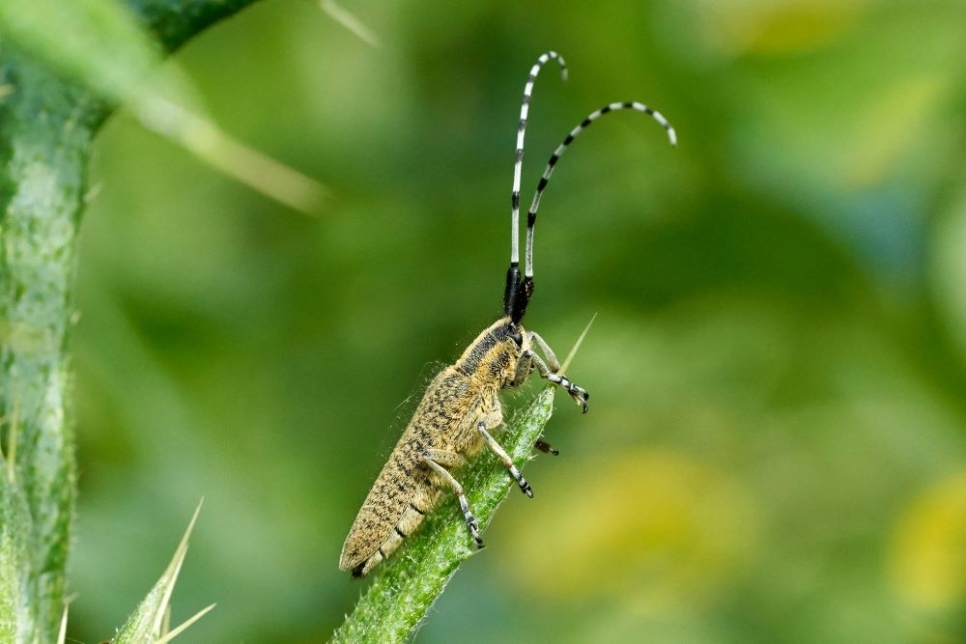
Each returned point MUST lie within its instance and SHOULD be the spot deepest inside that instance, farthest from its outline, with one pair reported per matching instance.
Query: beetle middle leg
(495, 419)
(438, 460)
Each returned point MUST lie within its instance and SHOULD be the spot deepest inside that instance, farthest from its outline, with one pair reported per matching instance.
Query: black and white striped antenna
(513, 282)
(518, 292)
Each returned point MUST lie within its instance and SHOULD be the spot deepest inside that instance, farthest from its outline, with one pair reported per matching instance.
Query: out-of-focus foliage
(776, 446)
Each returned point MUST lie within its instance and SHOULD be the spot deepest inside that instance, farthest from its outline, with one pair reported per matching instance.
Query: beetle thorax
(493, 356)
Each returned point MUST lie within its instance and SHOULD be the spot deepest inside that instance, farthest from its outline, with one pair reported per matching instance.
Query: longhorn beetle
(461, 406)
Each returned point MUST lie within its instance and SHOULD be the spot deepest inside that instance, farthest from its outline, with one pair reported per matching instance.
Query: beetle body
(461, 406)
(456, 400)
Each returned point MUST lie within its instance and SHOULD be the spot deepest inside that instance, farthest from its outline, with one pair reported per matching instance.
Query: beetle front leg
(530, 358)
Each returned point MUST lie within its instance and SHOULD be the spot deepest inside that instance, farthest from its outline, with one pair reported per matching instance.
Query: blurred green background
(776, 446)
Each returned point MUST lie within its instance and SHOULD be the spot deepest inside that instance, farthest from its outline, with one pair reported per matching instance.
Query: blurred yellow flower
(928, 554)
(775, 26)
(655, 530)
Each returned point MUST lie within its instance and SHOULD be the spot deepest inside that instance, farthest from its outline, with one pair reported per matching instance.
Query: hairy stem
(45, 135)
(47, 125)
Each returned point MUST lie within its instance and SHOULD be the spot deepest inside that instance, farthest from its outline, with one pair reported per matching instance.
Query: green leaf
(97, 43)
(100, 45)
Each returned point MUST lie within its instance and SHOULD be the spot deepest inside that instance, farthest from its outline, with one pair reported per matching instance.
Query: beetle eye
(518, 338)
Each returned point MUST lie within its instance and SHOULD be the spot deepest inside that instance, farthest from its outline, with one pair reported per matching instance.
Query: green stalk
(45, 132)
(52, 102)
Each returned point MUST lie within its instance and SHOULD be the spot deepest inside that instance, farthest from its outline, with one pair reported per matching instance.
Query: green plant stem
(47, 125)
(46, 131)
(404, 588)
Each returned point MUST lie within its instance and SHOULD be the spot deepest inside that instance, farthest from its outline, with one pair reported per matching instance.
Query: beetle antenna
(527, 285)
(513, 273)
